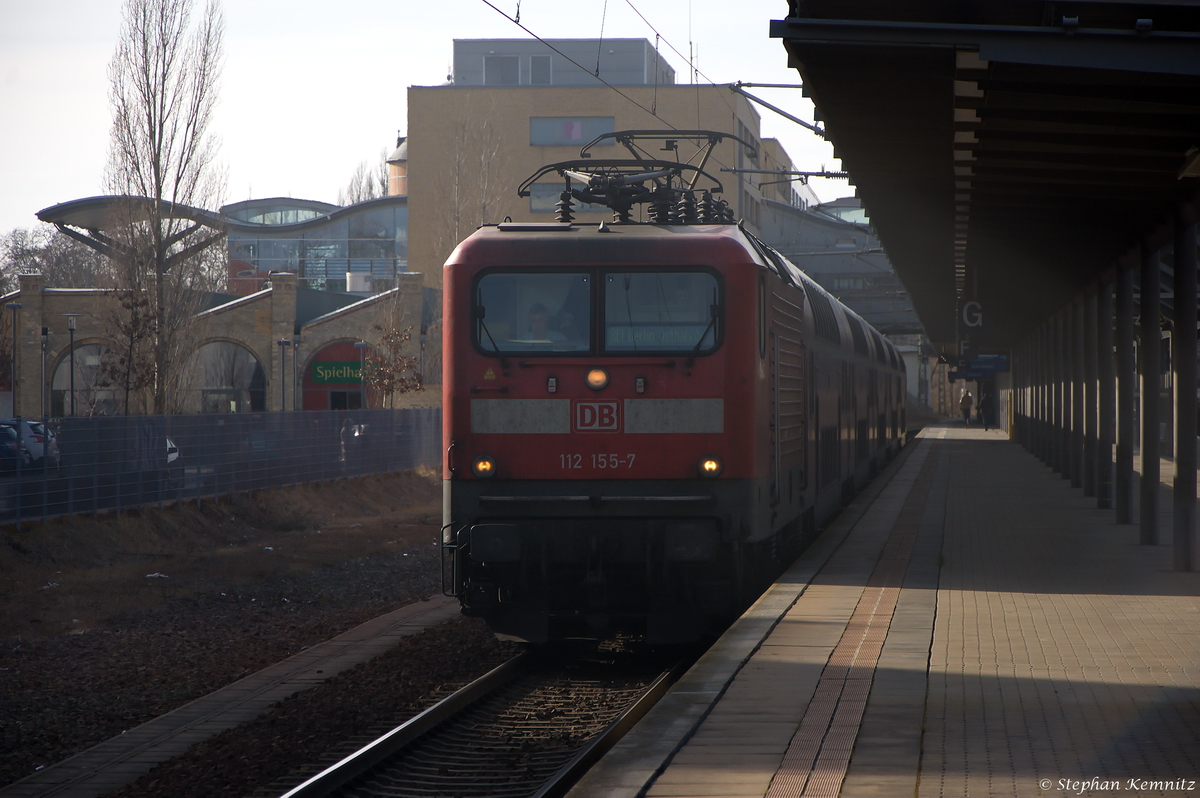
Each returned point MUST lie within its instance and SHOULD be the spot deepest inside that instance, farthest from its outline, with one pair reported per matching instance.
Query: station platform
(969, 626)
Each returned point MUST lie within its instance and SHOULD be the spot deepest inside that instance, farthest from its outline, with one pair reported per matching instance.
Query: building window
(501, 70)
(229, 379)
(98, 386)
(565, 131)
(749, 208)
(539, 70)
(847, 284)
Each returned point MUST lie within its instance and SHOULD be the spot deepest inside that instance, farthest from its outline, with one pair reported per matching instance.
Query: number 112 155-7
(573, 461)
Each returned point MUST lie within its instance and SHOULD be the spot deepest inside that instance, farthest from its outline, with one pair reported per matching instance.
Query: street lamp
(14, 307)
(361, 346)
(71, 329)
(45, 336)
(295, 375)
(283, 342)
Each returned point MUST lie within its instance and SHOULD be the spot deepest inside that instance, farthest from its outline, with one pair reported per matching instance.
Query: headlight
(710, 466)
(597, 379)
(484, 466)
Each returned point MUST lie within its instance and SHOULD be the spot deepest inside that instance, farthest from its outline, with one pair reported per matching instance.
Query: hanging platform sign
(990, 362)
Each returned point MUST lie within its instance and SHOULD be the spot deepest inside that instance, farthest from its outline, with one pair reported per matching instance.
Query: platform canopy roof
(1007, 151)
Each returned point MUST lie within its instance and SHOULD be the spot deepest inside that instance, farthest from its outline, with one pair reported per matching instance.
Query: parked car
(40, 442)
(12, 449)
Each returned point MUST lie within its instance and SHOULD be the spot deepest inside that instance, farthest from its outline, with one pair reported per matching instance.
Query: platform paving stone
(1035, 649)
(121, 760)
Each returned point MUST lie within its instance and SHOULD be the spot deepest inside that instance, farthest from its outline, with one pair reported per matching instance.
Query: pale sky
(311, 89)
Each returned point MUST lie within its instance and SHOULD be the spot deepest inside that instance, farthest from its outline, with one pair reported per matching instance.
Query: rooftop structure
(351, 249)
(527, 62)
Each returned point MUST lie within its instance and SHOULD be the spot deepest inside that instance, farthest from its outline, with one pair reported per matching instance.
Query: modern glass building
(354, 249)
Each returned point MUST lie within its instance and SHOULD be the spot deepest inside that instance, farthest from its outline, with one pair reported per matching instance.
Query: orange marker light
(597, 379)
(710, 466)
(484, 466)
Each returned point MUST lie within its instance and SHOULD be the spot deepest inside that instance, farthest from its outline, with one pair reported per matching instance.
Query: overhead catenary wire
(687, 58)
(734, 87)
(657, 69)
(582, 68)
(600, 41)
(652, 111)
(658, 36)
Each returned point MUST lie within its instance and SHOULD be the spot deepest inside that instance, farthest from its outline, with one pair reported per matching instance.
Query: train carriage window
(762, 316)
(530, 312)
(880, 354)
(666, 311)
(822, 310)
(859, 336)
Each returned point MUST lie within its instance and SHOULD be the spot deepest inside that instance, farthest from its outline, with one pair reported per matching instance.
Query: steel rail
(372, 754)
(599, 745)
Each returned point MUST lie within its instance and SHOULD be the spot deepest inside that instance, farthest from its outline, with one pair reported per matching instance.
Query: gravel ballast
(61, 694)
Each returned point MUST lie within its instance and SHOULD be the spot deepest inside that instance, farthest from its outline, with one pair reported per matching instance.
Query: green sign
(336, 371)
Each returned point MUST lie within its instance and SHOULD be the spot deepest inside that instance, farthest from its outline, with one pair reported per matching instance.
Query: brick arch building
(256, 323)
(300, 272)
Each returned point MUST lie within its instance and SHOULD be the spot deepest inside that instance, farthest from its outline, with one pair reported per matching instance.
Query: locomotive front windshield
(660, 312)
(650, 312)
(534, 312)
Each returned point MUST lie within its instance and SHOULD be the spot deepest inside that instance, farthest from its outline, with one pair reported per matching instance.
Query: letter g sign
(972, 314)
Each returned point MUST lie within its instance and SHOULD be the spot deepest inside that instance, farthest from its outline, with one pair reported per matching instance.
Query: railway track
(530, 727)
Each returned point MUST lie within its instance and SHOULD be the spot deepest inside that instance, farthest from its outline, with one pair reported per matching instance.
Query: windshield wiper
(479, 314)
(714, 310)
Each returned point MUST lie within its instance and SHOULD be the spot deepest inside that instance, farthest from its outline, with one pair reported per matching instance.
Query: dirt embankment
(72, 575)
(106, 623)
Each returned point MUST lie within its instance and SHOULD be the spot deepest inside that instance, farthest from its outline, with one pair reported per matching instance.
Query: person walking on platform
(965, 404)
(985, 409)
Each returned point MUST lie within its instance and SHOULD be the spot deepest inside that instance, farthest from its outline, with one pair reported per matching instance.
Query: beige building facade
(470, 146)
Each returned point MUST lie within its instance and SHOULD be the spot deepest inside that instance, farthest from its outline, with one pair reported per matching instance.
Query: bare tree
(368, 182)
(164, 79)
(471, 191)
(390, 365)
(128, 365)
(64, 261)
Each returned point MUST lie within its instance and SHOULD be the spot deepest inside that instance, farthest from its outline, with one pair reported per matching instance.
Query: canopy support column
(1075, 339)
(1150, 367)
(1089, 392)
(1183, 361)
(1123, 480)
(1106, 396)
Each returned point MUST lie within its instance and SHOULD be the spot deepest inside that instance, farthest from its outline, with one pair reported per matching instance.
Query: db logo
(597, 417)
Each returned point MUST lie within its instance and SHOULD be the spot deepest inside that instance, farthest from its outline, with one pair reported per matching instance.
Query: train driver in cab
(539, 325)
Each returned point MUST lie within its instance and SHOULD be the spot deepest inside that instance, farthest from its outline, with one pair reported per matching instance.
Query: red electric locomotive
(643, 423)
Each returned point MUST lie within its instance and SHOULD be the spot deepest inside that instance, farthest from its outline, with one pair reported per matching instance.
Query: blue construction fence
(120, 462)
